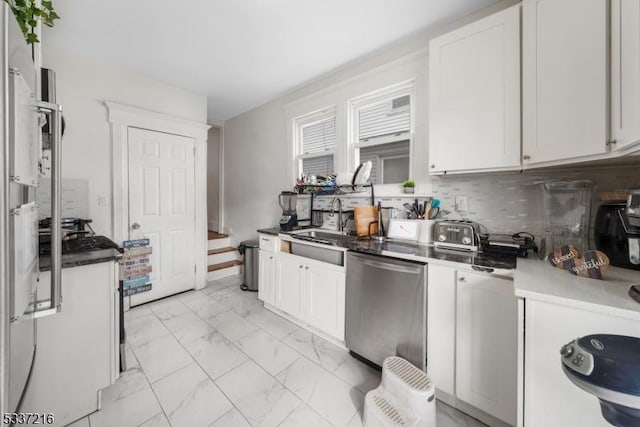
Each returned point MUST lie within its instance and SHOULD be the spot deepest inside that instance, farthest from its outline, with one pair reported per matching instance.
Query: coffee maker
(289, 218)
(617, 231)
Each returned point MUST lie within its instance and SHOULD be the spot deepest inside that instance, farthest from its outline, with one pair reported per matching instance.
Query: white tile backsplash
(511, 202)
(505, 202)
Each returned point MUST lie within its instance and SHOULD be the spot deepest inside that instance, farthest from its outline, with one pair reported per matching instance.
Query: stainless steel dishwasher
(386, 308)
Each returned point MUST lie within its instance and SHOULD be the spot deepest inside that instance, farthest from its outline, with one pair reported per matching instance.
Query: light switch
(103, 200)
(462, 203)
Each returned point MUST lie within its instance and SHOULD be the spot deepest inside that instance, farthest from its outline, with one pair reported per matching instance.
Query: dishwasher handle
(390, 266)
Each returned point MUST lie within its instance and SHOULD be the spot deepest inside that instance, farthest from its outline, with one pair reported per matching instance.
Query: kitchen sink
(326, 237)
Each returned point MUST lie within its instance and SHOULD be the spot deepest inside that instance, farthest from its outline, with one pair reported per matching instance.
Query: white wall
(82, 87)
(213, 178)
(254, 170)
(258, 158)
(256, 152)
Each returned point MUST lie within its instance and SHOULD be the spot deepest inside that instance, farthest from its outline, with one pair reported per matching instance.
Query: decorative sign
(135, 267)
(128, 244)
(561, 257)
(592, 264)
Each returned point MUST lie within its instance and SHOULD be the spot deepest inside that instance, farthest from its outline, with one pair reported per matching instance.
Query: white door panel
(161, 200)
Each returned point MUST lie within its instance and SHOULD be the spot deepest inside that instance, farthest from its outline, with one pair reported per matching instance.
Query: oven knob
(442, 237)
(466, 240)
(566, 350)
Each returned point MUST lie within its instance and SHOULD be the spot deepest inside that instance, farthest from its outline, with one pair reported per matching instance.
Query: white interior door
(161, 201)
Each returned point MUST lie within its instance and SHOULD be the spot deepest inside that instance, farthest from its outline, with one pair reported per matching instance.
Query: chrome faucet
(340, 224)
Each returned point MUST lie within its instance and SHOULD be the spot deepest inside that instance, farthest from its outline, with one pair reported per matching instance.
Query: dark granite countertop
(417, 251)
(84, 258)
(274, 231)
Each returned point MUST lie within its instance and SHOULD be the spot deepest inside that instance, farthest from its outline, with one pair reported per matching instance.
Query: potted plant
(408, 186)
(27, 13)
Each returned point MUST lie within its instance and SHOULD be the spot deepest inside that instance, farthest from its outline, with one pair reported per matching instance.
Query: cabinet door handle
(300, 266)
(526, 157)
(307, 267)
(271, 257)
(462, 279)
(266, 240)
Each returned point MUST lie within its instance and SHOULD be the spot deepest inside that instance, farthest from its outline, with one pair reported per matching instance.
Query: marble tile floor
(217, 358)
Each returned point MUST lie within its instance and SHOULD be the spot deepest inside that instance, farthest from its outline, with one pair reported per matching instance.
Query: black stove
(80, 245)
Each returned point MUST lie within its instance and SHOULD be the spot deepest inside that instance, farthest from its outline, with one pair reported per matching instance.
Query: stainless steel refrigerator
(20, 153)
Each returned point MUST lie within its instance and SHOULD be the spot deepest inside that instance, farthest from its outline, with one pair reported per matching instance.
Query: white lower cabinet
(441, 327)
(486, 344)
(550, 398)
(472, 340)
(312, 291)
(267, 276)
(289, 281)
(325, 298)
(78, 348)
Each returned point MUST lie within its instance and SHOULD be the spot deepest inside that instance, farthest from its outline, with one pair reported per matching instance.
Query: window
(382, 134)
(316, 143)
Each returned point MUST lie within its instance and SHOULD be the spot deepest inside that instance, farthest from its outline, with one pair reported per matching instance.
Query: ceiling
(241, 53)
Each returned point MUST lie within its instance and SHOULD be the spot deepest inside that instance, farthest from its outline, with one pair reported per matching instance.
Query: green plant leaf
(27, 13)
(32, 38)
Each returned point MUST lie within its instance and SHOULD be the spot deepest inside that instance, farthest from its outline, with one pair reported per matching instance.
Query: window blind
(385, 118)
(319, 137)
(321, 165)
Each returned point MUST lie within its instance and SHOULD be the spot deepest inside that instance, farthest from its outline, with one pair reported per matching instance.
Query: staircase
(223, 259)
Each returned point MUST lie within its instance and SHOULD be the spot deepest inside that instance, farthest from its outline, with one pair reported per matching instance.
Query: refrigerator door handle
(54, 304)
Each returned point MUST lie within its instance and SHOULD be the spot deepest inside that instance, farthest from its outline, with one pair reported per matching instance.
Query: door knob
(135, 226)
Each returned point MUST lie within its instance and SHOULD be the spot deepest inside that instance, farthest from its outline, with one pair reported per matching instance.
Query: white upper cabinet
(474, 99)
(625, 74)
(564, 76)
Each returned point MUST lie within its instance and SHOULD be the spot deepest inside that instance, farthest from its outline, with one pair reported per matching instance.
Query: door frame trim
(121, 117)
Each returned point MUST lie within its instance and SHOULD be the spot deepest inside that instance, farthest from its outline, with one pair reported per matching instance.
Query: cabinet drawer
(268, 242)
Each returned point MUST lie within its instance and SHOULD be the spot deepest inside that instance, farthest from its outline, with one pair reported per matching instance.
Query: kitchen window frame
(307, 120)
(354, 105)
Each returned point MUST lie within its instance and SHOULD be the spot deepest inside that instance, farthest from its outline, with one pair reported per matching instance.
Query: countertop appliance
(386, 308)
(518, 244)
(289, 218)
(607, 366)
(462, 235)
(616, 236)
(19, 175)
(633, 207)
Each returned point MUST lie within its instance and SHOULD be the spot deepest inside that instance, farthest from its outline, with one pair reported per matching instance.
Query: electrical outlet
(103, 200)
(462, 203)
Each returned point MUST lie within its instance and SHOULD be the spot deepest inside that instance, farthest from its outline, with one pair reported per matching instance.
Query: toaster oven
(461, 235)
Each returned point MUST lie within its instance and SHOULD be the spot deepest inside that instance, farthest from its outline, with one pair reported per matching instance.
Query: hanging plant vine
(27, 13)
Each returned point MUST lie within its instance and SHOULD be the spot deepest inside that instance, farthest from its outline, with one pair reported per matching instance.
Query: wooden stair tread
(221, 251)
(212, 235)
(222, 265)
